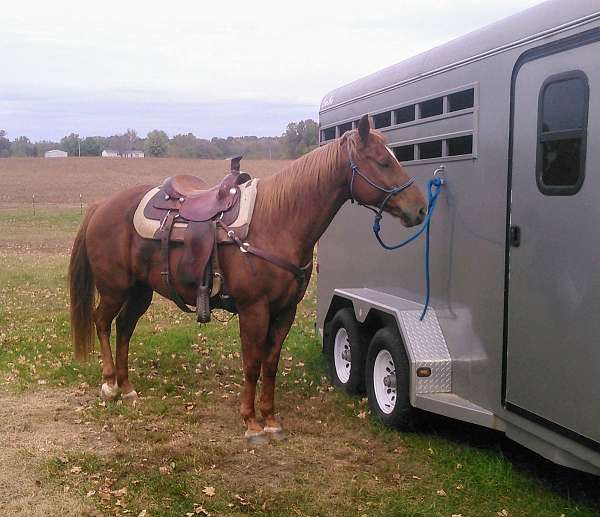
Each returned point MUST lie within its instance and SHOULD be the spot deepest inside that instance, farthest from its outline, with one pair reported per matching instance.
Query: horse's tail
(82, 292)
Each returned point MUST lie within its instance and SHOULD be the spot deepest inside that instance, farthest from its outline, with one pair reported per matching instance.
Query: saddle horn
(235, 163)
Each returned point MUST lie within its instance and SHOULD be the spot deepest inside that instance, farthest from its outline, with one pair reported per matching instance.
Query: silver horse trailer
(511, 340)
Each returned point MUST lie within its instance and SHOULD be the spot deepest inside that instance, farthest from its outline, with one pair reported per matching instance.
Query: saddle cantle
(183, 208)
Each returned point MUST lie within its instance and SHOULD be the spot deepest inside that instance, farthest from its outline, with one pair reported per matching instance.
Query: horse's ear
(364, 127)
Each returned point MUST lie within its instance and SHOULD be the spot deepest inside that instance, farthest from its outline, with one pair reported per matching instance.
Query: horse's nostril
(422, 213)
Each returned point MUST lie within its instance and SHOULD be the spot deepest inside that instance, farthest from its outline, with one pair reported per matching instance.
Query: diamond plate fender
(423, 340)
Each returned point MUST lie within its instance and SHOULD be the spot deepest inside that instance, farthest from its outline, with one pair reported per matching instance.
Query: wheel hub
(390, 381)
(342, 356)
(384, 381)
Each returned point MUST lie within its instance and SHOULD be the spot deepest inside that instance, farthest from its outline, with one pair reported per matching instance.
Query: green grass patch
(186, 436)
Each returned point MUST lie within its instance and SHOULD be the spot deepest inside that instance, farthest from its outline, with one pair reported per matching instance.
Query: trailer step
(453, 406)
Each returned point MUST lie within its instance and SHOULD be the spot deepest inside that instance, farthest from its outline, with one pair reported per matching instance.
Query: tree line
(297, 139)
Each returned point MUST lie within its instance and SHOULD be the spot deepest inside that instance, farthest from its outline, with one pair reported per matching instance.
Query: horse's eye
(384, 164)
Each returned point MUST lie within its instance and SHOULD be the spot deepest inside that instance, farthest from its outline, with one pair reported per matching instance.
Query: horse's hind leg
(108, 308)
(136, 305)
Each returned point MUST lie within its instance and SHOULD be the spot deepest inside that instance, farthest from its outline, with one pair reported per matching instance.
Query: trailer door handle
(515, 236)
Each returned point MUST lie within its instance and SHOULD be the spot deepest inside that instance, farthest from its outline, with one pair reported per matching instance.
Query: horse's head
(378, 179)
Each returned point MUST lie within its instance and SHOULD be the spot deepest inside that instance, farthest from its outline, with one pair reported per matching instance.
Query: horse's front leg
(254, 327)
(278, 331)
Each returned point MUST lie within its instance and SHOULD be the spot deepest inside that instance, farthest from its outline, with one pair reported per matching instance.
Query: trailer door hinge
(515, 236)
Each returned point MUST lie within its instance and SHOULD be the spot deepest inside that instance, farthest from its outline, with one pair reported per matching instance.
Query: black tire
(354, 382)
(398, 414)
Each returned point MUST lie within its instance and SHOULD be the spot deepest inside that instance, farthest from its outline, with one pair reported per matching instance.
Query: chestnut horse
(293, 209)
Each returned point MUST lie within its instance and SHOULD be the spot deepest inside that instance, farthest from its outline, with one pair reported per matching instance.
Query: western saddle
(188, 199)
(207, 214)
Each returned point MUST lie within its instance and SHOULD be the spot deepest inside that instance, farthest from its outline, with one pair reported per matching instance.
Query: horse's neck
(308, 204)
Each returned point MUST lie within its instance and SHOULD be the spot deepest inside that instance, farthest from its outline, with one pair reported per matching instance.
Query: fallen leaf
(143, 513)
(75, 470)
(502, 513)
(441, 493)
(362, 414)
(209, 491)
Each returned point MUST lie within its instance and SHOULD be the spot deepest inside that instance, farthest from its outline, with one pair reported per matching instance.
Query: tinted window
(460, 145)
(405, 114)
(430, 150)
(328, 134)
(345, 127)
(461, 100)
(431, 108)
(382, 119)
(564, 105)
(405, 153)
(562, 133)
(561, 162)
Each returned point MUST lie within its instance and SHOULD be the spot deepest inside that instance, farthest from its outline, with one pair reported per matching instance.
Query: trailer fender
(430, 362)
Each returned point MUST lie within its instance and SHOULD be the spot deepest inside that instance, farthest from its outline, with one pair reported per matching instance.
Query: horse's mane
(291, 188)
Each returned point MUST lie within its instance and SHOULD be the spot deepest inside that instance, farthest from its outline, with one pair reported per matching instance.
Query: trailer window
(562, 132)
(431, 108)
(345, 127)
(430, 150)
(461, 100)
(328, 134)
(405, 153)
(459, 146)
(405, 114)
(382, 119)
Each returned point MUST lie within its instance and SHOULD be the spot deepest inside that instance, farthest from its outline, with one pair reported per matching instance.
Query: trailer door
(552, 362)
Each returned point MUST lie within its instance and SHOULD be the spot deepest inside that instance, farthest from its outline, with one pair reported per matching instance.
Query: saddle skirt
(147, 221)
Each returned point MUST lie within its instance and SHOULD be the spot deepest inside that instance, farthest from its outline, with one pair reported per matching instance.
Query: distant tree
(184, 146)
(41, 147)
(70, 144)
(4, 144)
(300, 138)
(157, 143)
(92, 146)
(22, 146)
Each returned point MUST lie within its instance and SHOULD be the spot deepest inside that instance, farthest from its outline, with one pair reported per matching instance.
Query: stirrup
(203, 305)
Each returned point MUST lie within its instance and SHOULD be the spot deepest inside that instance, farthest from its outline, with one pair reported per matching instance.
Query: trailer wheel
(346, 352)
(387, 380)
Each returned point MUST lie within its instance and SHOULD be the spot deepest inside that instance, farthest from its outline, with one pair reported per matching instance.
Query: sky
(216, 68)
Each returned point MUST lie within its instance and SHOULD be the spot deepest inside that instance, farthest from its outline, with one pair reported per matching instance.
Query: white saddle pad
(147, 228)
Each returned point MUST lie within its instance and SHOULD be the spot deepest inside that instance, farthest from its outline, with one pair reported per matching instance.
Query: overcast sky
(213, 68)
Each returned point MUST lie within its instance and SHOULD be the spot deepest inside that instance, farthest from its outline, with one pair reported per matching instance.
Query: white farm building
(133, 154)
(55, 153)
(107, 153)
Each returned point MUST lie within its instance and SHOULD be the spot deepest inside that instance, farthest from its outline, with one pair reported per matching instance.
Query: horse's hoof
(275, 433)
(130, 398)
(256, 437)
(109, 391)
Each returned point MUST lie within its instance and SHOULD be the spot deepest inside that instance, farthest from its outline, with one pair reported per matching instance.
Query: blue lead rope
(433, 191)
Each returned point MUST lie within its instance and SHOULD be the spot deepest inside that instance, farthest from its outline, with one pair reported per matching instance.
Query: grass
(180, 451)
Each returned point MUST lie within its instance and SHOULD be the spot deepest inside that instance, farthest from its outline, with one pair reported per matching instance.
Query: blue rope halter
(434, 188)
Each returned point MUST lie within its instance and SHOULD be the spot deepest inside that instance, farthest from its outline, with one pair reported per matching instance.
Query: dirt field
(180, 451)
(61, 180)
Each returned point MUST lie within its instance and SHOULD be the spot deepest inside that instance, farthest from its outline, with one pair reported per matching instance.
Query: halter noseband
(391, 192)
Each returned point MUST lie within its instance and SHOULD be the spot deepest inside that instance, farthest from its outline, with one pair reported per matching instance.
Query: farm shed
(107, 153)
(55, 153)
(133, 154)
